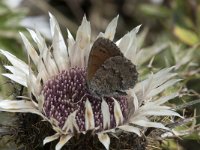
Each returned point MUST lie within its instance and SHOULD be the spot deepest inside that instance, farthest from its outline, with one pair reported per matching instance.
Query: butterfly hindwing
(116, 74)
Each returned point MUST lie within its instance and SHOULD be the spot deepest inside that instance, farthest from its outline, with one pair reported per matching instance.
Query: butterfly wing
(102, 49)
(116, 74)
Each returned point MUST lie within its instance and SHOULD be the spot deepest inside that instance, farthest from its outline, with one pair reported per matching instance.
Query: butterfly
(109, 72)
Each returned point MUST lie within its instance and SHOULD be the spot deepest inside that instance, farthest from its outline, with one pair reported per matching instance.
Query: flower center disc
(67, 92)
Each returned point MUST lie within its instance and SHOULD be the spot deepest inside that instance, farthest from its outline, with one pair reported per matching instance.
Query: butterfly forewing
(102, 49)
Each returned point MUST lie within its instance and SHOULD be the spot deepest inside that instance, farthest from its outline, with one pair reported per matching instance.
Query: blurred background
(170, 31)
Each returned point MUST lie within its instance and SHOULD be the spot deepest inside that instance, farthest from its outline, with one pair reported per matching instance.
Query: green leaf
(154, 10)
(185, 35)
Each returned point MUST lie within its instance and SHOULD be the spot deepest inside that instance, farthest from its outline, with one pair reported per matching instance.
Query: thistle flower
(58, 91)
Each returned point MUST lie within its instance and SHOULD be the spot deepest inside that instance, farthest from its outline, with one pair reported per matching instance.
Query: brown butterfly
(109, 73)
